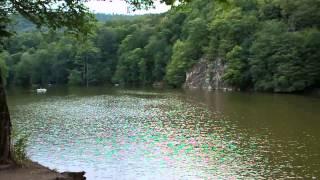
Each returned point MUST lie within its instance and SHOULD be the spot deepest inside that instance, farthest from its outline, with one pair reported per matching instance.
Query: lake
(170, 134)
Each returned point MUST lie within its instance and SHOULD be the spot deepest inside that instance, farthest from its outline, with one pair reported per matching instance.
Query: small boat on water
(41, 91)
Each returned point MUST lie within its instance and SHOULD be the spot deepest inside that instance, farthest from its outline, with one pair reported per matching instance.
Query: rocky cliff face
(206, 75)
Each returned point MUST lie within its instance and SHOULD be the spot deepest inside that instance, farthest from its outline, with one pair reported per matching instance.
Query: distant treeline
(266, 45)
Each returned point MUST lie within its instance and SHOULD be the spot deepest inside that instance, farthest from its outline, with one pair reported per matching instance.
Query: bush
(19, 148)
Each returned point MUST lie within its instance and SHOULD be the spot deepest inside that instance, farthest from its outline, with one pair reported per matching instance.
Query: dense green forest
(266, 45)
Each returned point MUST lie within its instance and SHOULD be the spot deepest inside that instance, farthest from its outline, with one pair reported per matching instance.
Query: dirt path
(34, 171)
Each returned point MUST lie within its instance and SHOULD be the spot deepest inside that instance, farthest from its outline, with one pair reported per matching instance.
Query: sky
(120, 7)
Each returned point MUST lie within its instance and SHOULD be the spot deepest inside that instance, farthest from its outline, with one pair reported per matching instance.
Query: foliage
(237, 72)
(181, 61)
(266, 45)
(20, 141)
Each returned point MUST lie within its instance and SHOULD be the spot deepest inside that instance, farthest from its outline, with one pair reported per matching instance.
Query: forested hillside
(266, 45)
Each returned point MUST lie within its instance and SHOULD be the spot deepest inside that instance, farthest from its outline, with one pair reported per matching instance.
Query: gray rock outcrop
(206, 75)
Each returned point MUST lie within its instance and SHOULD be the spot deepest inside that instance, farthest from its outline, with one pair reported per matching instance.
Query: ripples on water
(137, 135)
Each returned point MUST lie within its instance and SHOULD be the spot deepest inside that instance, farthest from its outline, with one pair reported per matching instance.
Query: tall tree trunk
(5, 127)
(86, 71)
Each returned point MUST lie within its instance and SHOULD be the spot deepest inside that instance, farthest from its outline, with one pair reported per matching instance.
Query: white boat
(41, 91)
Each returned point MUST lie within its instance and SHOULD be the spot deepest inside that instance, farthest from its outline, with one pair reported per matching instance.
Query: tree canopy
(54, 14)
(266, 45)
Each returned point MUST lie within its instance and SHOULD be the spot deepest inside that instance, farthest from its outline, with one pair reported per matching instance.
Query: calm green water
(145, 134)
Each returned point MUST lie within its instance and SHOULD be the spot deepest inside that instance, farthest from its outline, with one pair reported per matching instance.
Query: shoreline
(35, 171)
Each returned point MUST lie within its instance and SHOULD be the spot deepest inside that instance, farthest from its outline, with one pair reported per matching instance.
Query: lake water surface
(153, 134)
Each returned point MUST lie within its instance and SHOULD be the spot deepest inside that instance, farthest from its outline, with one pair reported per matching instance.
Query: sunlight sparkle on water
(136, 135)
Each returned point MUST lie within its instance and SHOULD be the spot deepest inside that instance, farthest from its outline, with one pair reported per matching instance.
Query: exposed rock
(72, 176)
(207, 75)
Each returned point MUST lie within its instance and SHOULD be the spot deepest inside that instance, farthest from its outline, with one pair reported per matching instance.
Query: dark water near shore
(153, 134)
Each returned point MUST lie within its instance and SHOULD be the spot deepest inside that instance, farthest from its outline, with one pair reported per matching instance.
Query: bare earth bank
(34, 171)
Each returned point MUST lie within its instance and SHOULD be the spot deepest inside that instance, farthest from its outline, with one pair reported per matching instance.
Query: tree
(183, 57)
(86, 52)
(23, 70)
(159, 50)
(131, 68)
(237, 73)
(277, 62)
(107, 41)
(54, 14)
